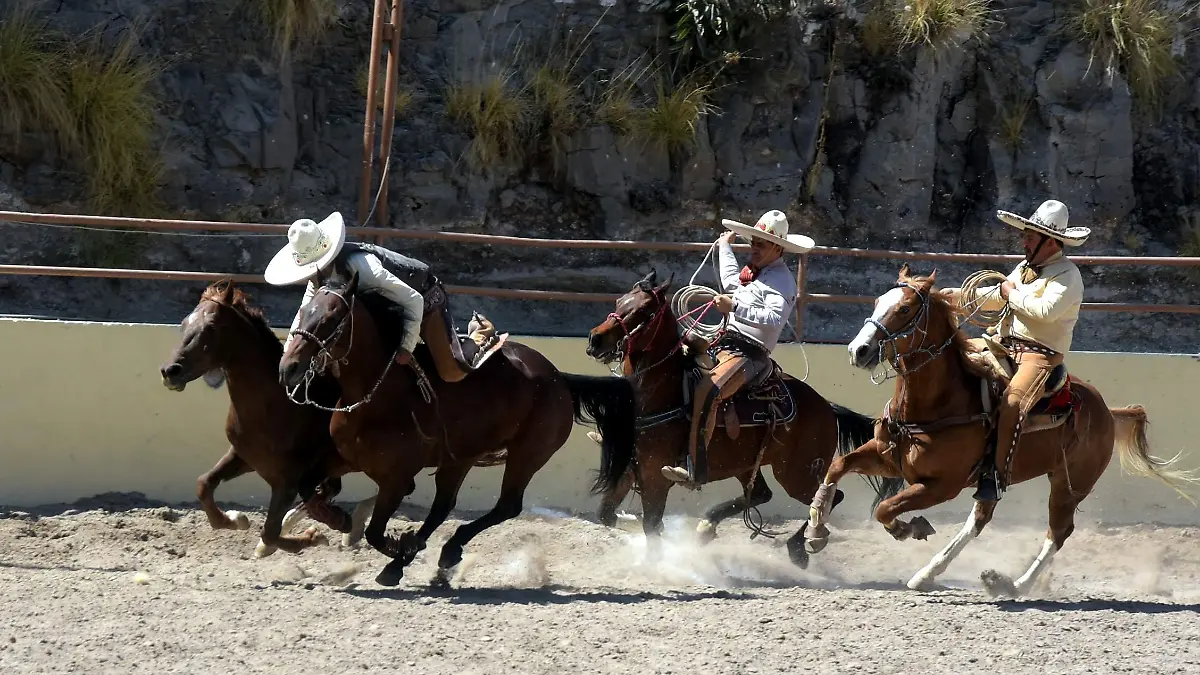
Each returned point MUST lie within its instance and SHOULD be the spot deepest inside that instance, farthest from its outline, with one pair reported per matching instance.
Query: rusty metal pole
(801, 296)
(389, 108)
(365, 192)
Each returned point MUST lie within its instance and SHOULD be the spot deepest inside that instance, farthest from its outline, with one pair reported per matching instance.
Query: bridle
(915, 325)
(320, 362)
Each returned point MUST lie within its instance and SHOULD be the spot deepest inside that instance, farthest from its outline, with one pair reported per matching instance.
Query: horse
(797, 441)
(393, 419)
(933, 432)
(226, 340)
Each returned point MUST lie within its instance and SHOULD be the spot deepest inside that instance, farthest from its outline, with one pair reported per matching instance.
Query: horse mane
(240, 301)
(953, 314)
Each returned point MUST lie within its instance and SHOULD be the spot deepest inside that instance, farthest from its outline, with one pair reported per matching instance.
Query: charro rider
(757, 300)
(1044, 294)
(316, 248)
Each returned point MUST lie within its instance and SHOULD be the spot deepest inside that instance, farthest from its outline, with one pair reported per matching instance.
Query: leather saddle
(991, 362)
(481, 340)
(760, 402)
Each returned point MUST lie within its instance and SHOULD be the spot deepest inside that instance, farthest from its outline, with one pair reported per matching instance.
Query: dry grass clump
(1135, 36)
(296, 23)
(670, 121)
(404, 98)
(496, 112)
(94, 98)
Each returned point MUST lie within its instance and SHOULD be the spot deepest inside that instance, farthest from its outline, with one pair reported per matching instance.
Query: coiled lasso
(970, 301)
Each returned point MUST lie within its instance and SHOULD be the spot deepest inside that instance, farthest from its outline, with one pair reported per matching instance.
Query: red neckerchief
(748, 274)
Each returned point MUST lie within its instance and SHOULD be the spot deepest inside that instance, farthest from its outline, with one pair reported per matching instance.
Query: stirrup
(988, 488)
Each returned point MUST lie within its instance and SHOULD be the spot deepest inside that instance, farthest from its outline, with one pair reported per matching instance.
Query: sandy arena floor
(154, 590)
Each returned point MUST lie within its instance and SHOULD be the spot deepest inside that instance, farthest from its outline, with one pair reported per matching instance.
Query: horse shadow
(553, 594)
(1084, 605)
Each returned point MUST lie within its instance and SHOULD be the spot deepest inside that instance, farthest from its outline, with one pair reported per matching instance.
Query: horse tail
(854, 431)
(1133, 450)
(611, 404)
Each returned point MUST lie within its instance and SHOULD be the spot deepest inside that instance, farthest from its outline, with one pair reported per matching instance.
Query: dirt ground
(121, 589)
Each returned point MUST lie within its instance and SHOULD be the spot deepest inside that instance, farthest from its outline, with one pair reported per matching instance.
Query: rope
(969, 298)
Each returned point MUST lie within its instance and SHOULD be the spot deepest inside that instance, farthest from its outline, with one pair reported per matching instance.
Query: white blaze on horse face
(869, 336)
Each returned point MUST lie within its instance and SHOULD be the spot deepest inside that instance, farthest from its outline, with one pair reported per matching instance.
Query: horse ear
(932, 277)
(905, 272)
(650, 278)
(666, 284)
(226, 290)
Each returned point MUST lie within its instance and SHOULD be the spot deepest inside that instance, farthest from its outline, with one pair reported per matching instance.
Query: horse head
(634, 321)
(900, 324)
(209, 339)
(324, 335)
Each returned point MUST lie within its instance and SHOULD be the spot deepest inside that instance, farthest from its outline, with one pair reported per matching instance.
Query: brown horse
(393, 420)
(642, 334)
(226, 340)
(934, 429)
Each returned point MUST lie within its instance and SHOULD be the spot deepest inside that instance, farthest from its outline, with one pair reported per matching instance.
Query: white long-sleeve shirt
(761, 307)
(372, 274)
(1044, 310)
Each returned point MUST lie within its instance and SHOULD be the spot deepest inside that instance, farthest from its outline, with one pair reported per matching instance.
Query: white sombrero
(773, 227)
(1051, 220)
(311, 246)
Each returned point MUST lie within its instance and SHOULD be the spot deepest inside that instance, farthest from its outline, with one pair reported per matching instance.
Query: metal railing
(162, 225)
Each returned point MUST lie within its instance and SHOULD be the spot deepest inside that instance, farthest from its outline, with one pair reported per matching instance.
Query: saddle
(481, 340)
(765, 400)
(992, 363)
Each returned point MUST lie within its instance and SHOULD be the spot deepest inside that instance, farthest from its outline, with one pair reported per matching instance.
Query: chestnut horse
(935, 427)
(393, 420)
(642, 334)
(226, 340)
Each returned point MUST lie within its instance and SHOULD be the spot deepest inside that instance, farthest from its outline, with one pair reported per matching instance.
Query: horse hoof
(817, 539)
(920, 583)
(262, 550)
(796, 550)
(997, 584)
(441, 579)
(239, 520)
(315, 538)
(390, 576)
(921, 529)
(706, 531)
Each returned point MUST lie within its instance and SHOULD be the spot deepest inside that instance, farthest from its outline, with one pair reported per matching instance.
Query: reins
(324, 359)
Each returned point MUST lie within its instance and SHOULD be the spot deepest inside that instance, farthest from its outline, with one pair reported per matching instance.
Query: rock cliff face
(903, 149)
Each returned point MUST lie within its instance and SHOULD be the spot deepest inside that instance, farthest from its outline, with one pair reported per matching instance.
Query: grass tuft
(404, 97)
(296, 23)
(1012, 117)
(496, 113)
(109, 98)
(558, 102)
(1135, 36)
(935, 22)
(670, 123)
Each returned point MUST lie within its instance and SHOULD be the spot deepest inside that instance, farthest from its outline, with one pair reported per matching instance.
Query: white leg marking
(358, 522)
(293, 518)
(922, 579)
(1035, 570)
(239, 519)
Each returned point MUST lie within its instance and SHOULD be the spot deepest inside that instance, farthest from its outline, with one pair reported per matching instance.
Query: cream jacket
(1043, 311)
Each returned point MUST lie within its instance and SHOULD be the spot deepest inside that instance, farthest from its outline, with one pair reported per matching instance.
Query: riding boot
(454, 358)
(697, 457)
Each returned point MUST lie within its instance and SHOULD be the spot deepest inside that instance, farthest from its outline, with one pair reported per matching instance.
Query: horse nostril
(172, 370)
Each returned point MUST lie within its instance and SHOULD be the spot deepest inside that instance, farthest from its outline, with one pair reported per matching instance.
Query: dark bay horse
(643, 334)
(393, 420)
(936, 424)
(226, 340)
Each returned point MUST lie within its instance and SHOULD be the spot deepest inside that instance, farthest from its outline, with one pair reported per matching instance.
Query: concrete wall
(84, 412)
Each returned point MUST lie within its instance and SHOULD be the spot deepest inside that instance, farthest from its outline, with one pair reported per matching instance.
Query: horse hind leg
(981, 515)
(1062, 523)
(272, 533)
(760, 493)
(527, 454)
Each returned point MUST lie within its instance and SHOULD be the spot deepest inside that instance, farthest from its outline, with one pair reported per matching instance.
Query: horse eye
(905, 309)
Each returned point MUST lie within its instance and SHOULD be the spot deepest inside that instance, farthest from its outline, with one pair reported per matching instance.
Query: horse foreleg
(654, 505)
(230, 466)
(912, 498)
(759, 494)
(272, 536)
(386, 502)
(868, 460)
(981, 515)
